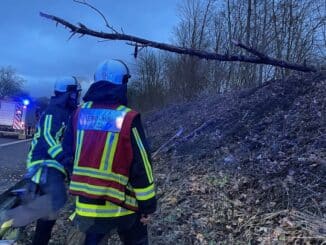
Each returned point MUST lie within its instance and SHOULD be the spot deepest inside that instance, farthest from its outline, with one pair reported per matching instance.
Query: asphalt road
(6, 140)
(13, 155)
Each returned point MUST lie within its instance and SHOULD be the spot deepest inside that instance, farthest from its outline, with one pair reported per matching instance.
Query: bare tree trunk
(246, 69)
(264, 40)
(248, 27)
(229, 48)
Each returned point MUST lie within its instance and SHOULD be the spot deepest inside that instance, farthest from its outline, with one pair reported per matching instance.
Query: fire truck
(17, 117)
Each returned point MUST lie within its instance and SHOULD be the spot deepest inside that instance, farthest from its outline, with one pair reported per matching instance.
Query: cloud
(40, 52)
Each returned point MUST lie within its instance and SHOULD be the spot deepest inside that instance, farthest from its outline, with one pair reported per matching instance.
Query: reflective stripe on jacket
(105, 162)
(46, 149)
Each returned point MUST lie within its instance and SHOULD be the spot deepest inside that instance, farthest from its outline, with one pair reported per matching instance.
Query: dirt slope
(249, 167)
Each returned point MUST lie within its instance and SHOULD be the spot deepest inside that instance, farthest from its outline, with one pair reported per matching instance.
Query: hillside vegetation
(249, 167)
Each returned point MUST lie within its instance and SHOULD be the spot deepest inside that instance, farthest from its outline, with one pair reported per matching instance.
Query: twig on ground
(180, 131)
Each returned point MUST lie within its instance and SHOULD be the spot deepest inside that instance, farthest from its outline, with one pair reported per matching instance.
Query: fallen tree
(139, 43)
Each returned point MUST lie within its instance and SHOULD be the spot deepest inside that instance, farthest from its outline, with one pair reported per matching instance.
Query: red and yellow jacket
(112, 163)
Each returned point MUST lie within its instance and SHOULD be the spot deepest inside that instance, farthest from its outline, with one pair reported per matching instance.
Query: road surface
(13, 155)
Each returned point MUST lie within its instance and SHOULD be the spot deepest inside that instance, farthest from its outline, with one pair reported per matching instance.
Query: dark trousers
(136, 234)
(43, 232)
(55, 187)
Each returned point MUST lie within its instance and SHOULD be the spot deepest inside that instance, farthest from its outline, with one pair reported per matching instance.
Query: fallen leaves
(255, 174)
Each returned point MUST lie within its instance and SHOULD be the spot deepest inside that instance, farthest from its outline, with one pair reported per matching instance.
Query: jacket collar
(108, 93)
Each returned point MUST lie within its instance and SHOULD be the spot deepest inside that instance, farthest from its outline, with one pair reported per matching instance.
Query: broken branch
(180, 50)
(98, 11)
(180, 131)
(250, 50)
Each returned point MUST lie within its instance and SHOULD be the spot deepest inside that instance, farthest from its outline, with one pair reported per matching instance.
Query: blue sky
(40, 52)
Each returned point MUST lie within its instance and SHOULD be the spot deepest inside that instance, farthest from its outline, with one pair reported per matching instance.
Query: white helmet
(112, 71)
(67, 84)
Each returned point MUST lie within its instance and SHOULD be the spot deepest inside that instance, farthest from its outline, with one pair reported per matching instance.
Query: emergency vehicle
(17, 117)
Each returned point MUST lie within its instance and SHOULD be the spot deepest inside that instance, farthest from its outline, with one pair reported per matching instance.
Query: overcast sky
(40, 52)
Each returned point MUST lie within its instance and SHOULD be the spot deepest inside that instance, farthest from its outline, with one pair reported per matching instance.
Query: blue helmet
(112, 71)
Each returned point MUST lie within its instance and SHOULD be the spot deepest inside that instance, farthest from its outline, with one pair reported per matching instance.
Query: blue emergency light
(26, 102)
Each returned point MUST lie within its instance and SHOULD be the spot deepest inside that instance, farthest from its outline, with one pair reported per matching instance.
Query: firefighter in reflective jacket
(112, 176)
(46, 163)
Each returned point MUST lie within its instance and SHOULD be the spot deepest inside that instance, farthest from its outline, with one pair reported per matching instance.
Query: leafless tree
(148, 87)
(287, 30)
(211, 33)
(10, 83)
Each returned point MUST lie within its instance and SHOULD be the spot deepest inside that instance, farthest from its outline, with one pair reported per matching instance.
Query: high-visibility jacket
(112, 164)
(46, 149)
